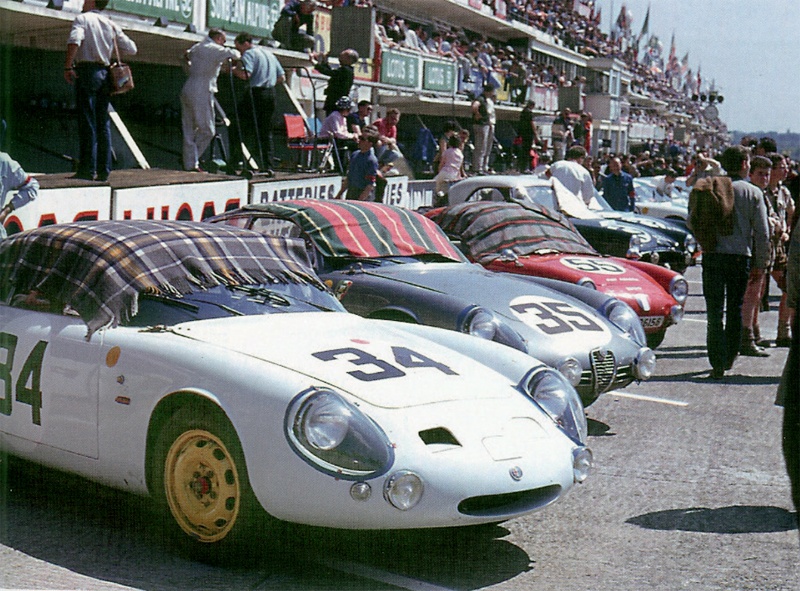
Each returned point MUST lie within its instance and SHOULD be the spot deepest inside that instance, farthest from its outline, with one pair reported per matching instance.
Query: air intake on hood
(439, 435)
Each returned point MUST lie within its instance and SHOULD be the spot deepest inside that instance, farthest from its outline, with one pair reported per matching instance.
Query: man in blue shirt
(263, 72)
(618, 187)
(363, 169)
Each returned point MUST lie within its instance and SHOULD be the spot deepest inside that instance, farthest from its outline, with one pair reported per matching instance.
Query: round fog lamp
(360, 491)
(676, 313)
(571, 369)
(645, 364)
(403, 490)
(582, 461)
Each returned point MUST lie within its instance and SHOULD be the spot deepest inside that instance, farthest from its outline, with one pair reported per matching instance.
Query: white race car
(209, 367)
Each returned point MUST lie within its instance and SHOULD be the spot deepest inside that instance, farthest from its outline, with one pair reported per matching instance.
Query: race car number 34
(30, 373)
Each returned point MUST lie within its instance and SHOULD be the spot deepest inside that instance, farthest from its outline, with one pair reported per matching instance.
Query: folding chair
(298, 139)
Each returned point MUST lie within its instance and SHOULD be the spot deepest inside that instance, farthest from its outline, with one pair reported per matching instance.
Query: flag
(646, 25)
(685, 63)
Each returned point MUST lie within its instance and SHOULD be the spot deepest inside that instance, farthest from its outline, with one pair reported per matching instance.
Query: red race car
(531, 240)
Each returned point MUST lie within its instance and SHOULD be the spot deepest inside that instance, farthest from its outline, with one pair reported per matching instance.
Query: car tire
(654, 339)
(200, 480)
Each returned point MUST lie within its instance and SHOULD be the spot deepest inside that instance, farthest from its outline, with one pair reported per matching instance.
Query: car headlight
(336, 437)
(676, 313)
(645, 364)
(626, 319)
(571, 369)
(691, 244)
(553, 394)
(679, 288)
(634, 250)
(483, 323)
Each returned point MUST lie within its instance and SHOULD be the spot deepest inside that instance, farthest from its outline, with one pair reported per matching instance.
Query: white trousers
(197, 120)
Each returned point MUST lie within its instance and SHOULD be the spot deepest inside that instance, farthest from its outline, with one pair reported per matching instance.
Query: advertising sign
(400, 69)
(181, 11)
(326, 187)
(438, 75)
(257, 17)
(58, 206)
(190, 202)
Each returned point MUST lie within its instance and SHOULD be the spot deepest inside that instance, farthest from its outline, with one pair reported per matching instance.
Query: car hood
(651, 238)
(517, 299)
(374, 361)
(651, 222)
(611, 275)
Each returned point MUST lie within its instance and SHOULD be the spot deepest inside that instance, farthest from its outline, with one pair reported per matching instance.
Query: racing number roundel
(590, 265)
(556, 318)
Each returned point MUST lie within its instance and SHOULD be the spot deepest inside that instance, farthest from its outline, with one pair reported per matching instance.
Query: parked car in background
(209, 367)
(528, 239)
(650, 202)
(391, 263)
(615, 237)
(676, 259)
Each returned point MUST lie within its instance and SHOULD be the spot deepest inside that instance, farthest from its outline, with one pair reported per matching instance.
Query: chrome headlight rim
(645, 364)
(571, 369)
(554, 395)
(679, 288)
(626, 319)
(587, 283)
(483, 323)
(634, 246)
(362, 436)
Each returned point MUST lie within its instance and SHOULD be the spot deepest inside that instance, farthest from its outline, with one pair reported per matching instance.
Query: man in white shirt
(573, 175)
(203, 62)
(90, 50)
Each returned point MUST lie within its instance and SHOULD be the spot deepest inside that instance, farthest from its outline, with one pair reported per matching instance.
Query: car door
(48, 382)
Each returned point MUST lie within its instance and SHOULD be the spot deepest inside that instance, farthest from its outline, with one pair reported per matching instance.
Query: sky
(750, 48)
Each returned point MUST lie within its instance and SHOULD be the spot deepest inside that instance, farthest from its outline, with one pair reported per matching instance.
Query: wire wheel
(202, 485)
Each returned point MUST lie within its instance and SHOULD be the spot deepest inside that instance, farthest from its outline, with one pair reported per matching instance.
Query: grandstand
(548, 52)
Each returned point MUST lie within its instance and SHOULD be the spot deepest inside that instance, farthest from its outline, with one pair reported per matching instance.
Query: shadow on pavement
(599, 429)
(114, 536)
(737, 519)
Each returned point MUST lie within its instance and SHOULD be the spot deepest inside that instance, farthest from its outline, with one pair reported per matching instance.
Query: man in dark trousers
(288, 28)
(90, 50)
(263, 72)
(341, 78)
(739, 247)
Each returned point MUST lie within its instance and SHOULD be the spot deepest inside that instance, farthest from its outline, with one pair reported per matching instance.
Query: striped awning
(362, 229)
(98, 269)
(489, 228)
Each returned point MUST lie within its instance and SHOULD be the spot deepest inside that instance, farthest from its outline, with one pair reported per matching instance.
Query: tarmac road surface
(689, 492)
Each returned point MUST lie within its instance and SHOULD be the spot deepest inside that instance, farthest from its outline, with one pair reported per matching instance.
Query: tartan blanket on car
(489, 228)
(99, 268)
(363, 229)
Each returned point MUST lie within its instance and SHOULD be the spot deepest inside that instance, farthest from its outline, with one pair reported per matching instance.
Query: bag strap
(116, 49)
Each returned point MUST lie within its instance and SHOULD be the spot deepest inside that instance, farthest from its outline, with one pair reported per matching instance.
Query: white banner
(191, 202)
(54, 206)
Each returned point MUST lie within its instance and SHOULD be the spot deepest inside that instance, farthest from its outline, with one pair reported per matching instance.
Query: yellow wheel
(202, 486)
(200, 479)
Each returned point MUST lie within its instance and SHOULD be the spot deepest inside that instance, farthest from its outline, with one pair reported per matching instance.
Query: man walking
(203, 61)
(735, 246)
(90, 49)
(263, 72)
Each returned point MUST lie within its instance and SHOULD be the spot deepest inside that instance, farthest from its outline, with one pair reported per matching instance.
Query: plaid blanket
(489, 228)
(100, 268)
(363, 229)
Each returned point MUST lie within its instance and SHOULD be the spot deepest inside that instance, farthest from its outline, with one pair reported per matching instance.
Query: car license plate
(652, 321)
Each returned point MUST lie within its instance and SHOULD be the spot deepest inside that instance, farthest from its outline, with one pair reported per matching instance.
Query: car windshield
(232, 300)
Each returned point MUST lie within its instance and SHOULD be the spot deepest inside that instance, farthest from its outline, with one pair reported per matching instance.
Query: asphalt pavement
(689, 491)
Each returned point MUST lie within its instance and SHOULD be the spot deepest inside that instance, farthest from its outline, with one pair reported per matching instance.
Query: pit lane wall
(187, 201)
